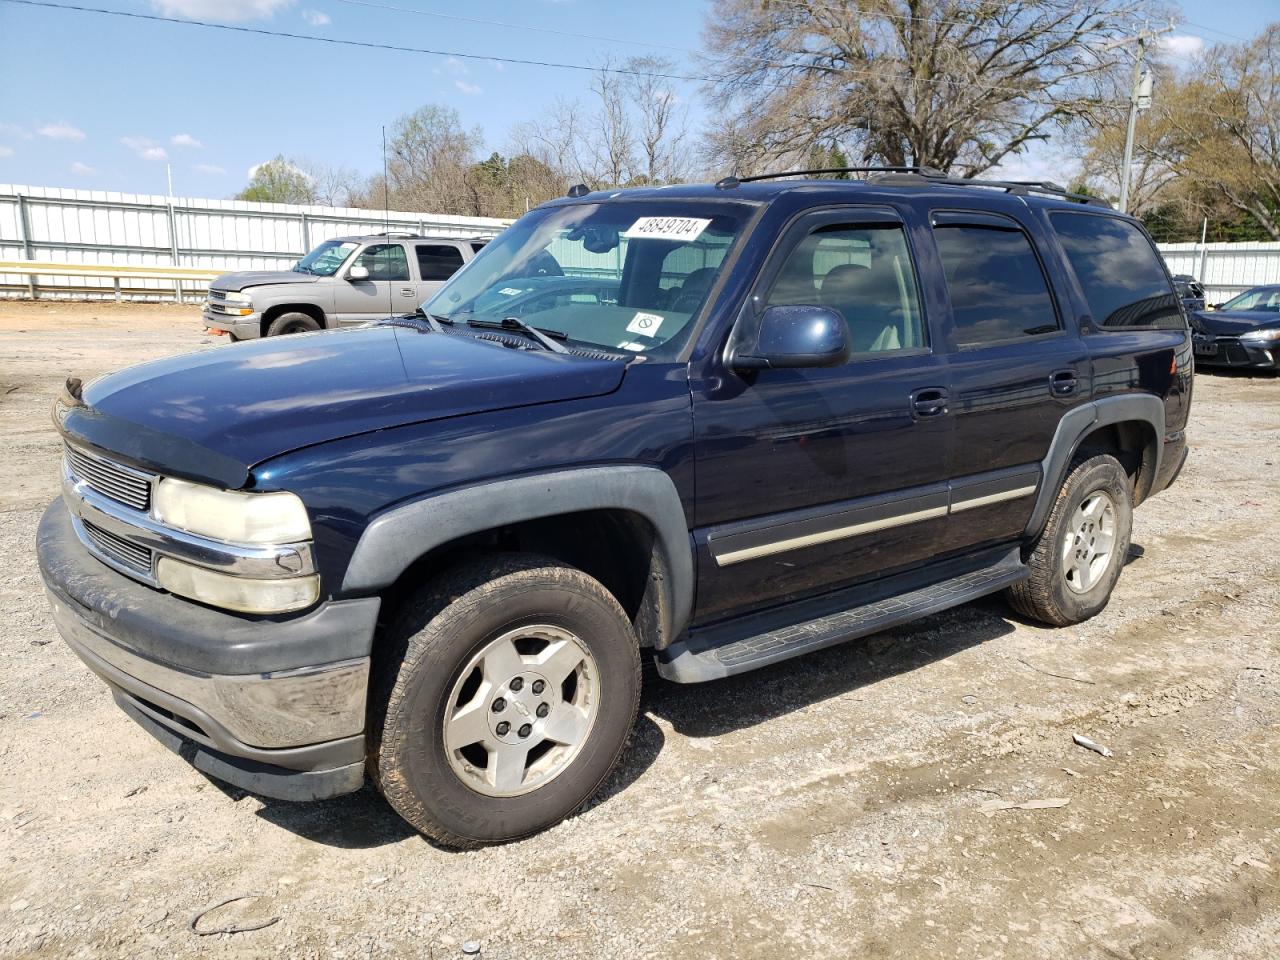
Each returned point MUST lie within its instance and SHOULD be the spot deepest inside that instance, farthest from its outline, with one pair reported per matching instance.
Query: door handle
(407, 291)
(1063, 383)
(928, 402)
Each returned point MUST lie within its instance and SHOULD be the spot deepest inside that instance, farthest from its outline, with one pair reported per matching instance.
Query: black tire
(1047, 595)
(424, 653)
(292, 323)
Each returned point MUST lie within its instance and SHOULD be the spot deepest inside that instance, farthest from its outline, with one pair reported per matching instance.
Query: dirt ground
(838, 805)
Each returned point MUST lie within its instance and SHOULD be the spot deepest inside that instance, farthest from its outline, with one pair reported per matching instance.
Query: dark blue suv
(759, 417)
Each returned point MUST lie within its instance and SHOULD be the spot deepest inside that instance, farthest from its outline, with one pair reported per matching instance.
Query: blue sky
(105, 102)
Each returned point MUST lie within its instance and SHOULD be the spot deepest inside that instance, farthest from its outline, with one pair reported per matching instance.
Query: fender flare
(1073, 427)
(402, 534)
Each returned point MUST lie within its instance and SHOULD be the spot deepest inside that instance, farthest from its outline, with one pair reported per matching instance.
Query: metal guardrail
(115, 271)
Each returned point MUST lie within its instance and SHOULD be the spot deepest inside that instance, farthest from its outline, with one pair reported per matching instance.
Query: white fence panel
(59, 225)
(1229, 268)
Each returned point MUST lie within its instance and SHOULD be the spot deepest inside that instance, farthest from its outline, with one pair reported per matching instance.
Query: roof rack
(398, 234)
(920, 176)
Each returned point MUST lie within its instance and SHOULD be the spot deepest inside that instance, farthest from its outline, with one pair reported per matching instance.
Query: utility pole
(1139, 99)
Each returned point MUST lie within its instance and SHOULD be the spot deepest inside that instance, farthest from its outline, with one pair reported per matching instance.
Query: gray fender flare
(402, 534)
(1073, 426)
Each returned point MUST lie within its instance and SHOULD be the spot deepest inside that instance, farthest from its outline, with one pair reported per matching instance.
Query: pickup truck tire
(1077, 558)
(501, 699)
(292, 323)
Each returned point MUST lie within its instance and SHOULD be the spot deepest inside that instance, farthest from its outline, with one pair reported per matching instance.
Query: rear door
(1017, 364)
(437, 262)
(818, 478)
(389, 289)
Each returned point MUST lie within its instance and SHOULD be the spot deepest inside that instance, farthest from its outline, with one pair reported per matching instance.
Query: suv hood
(213, 415)
(258, 278)
(1232, 323)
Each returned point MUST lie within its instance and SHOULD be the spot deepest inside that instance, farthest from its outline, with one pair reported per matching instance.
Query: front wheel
(292, 323)
(1078, 557)
(502, 700)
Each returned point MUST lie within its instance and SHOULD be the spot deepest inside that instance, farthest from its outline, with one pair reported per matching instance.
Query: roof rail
(398, 234)
(728, 183)
(920, 176)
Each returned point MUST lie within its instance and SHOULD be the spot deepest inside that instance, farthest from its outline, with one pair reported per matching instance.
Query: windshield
(625, 275)
(325, 259)
(1263, 298)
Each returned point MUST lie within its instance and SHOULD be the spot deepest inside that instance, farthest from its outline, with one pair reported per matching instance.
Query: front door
(816, 478)
(388, 290)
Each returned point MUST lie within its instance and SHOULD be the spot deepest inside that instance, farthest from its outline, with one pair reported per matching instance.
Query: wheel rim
(521, 710)
(298, 326)
(1089, 542)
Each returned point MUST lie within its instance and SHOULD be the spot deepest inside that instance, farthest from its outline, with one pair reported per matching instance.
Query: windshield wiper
(543, 337)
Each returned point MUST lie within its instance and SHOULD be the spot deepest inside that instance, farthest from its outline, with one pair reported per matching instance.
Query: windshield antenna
(386, 213)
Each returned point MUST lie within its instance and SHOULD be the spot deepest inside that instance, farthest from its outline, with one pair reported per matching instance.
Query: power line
(372, 45)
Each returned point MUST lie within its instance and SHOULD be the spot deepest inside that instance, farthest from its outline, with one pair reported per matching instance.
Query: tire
(462, 792)
(292, 323)
(1072, 581)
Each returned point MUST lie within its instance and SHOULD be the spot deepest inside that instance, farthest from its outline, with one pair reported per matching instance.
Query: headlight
(236, 593)
(1261, 336)
(230, 515)
(237, 298)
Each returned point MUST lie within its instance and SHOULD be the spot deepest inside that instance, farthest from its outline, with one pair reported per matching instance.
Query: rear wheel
(1078, 557)
(292, 323)
(504, 698)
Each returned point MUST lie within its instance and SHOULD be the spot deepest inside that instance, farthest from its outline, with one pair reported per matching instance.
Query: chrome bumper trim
(284, 708)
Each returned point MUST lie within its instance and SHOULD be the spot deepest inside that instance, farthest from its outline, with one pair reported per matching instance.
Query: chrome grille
(115, 548)
(112, 480)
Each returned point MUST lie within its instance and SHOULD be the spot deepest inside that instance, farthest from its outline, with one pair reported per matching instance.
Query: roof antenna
(579, 190)
(386, 213)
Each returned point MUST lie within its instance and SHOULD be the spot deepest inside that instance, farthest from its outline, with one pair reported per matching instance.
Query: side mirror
(794, 337)
(358, 273)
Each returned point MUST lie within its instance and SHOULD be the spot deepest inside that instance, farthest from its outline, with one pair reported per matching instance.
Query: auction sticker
(684, 229)
(645, 324)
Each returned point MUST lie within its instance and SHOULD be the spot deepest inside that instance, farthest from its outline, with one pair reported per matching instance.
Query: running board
(691, 661)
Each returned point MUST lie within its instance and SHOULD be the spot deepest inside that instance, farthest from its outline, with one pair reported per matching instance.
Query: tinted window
(478, 245)
(862, 272)
(385, 261)
(438, 261)
(1118, 270)
(998, 291)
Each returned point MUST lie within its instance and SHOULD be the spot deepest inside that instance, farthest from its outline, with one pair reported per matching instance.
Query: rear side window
(438, 261)
(998, 290)
(1119, 271)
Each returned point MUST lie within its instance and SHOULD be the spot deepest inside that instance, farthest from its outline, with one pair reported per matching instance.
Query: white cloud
(210, 169)
(316, 18)
(470, 89)
(82, 169)
(146, 149)
(5, 152)
(225, 10)
(13, 130)
(61, 131)
(185, 140)
(1182, 46)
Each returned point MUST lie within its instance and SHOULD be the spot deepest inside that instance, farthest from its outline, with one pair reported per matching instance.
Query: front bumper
(276, 706)
(1231, 352)
(244, 328)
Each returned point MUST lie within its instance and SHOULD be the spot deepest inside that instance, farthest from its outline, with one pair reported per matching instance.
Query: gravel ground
(845, 804)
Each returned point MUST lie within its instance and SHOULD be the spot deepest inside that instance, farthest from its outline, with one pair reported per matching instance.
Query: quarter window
(998, 290)
(864, 273)
(385, 261)
(1119, 271)
(438, 261)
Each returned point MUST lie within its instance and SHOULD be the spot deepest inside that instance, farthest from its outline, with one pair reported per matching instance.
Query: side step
(700, 657)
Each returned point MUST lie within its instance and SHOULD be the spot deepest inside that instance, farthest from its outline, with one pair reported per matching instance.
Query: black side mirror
(792, 337)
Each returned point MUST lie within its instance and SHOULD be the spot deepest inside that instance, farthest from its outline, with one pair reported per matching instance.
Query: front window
(626, 275)
(1263, 298)
(325, 259)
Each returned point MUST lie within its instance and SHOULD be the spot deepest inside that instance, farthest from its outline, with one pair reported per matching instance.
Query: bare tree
(662, 123)
(429, 156)
(954, 84)
(613, 142)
